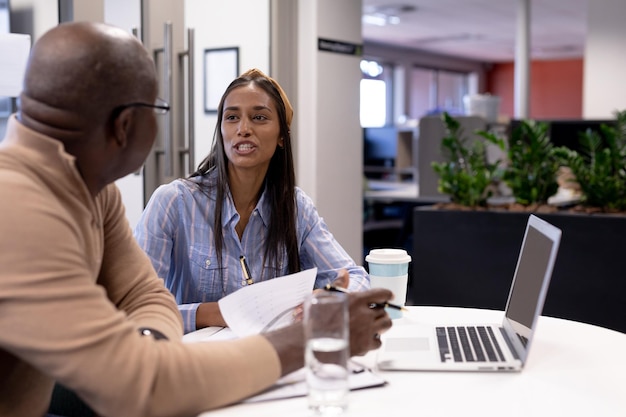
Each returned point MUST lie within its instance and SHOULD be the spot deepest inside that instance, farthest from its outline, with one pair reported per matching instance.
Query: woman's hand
(209, 314)
(342, 281)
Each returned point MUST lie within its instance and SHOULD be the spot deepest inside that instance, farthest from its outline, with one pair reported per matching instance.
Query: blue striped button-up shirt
(176, 231)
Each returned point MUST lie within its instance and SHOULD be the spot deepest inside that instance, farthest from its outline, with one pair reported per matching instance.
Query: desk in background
(573, 369)
(388, 217)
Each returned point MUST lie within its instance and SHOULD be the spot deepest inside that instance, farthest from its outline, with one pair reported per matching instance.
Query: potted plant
(600, 170)
(467, 257)
(532, 163)
(467, 176)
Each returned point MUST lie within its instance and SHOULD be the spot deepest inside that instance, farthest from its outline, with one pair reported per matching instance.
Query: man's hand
(366, 326)
(366, 323)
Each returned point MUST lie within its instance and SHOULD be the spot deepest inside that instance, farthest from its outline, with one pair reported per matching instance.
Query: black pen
(246, 270)
(329, 287)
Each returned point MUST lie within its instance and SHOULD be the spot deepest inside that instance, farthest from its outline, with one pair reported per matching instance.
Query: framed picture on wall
(221, 67)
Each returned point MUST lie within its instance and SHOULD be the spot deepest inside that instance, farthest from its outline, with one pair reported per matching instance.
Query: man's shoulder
(17, 180)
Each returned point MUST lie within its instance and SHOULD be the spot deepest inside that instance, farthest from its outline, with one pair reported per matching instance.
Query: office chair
(65, 403)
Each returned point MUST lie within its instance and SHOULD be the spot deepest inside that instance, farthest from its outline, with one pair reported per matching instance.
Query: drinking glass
(327, 352)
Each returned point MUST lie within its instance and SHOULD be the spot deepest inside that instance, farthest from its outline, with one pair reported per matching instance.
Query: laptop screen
(532, 277)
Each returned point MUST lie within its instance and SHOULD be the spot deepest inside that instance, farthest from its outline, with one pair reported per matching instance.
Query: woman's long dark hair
(280, 182)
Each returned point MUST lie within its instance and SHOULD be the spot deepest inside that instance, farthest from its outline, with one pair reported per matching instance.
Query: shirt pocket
(206, 272)
(271, 271)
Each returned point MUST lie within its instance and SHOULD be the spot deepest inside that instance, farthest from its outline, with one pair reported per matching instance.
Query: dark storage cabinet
(467, 258)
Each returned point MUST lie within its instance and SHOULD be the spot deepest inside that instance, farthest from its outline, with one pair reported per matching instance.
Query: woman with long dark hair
(242, 204)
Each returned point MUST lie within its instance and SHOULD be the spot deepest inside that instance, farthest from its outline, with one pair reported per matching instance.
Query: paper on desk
(294, 384)
(250, 309)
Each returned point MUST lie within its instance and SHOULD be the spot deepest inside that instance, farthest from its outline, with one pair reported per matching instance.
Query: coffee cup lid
(388, 256)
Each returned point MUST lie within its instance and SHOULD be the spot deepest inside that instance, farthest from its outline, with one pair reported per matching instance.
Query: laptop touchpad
(404, 344)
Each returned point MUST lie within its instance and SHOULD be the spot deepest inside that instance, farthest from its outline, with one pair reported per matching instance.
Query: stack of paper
(266, 305)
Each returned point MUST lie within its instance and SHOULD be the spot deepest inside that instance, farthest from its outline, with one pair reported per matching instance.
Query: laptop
(483, 346)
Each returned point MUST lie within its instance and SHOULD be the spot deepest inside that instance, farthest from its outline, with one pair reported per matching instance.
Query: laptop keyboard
(468, 344)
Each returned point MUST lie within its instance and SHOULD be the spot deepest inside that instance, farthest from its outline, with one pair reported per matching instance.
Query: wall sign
(339, 47)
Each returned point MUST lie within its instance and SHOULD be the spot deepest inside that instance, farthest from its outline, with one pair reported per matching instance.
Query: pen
(246, 270)
(329, 287)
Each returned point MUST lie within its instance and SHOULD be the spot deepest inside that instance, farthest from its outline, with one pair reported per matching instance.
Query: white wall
(221, 24)
(330, 155)
(604, 89)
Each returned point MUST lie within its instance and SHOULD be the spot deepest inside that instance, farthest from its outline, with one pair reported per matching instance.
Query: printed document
(266, 305)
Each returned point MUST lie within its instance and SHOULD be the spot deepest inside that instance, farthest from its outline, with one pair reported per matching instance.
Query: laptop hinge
(510, 344)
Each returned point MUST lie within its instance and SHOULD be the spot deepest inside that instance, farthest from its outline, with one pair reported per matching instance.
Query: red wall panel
(556, 88)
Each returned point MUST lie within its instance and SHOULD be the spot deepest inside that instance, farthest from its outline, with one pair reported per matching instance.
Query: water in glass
(327, 375)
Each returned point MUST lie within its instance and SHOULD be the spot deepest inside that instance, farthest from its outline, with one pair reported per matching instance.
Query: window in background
(4, 17)
(375, 100)
(6, 103)
(373, 112)
(434, 91)
(423, 91)
(451, 87)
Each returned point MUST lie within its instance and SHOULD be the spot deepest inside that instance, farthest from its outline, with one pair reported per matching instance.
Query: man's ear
(122, 126)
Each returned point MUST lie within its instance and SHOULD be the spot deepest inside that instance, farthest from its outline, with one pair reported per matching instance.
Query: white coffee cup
(389, 268)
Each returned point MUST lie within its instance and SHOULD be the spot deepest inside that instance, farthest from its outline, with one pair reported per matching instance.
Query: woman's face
(250, 128)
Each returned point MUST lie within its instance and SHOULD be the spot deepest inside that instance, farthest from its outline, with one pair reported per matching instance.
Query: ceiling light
(375, 19)
(380, 19)
(386, 14)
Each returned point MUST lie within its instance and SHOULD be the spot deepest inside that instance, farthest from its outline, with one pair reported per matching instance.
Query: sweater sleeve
(73, 316)
(127, 274)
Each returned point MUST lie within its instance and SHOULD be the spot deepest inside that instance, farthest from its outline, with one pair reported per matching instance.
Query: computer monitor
(380, 146)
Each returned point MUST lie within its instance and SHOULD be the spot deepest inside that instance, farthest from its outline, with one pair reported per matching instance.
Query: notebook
(484, 346)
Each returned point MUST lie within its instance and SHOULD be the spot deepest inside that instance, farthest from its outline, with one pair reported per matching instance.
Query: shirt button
(207, 263)
(244, 283)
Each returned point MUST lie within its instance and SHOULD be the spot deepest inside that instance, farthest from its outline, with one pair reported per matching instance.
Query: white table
(573, 369)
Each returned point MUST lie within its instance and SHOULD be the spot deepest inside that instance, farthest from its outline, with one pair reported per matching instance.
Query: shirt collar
(230, 213)
(48, 154)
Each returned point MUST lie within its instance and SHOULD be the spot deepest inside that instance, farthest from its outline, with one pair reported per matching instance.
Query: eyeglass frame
(160, 106)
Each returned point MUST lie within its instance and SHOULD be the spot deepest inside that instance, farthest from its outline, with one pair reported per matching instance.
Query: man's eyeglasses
(160, 107)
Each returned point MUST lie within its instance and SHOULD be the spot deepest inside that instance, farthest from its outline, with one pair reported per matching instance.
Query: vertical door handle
(167, 96)
(186, 83)
(190, 99)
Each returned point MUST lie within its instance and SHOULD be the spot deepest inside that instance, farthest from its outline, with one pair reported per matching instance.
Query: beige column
(522, 61)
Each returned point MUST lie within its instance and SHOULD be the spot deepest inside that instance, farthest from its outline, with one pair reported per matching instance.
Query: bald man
(80, 303)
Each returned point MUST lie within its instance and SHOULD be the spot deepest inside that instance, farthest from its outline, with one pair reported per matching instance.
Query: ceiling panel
(483, 30)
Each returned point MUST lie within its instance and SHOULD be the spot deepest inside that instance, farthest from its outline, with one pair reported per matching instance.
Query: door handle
(189, 53)
(167, 96)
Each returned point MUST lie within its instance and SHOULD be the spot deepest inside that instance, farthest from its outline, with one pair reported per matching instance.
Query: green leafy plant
(600, 165)
(466, 175)
(532, 166)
